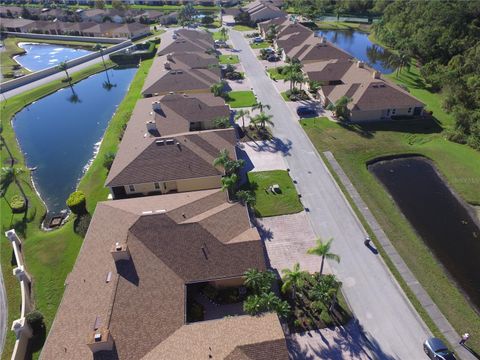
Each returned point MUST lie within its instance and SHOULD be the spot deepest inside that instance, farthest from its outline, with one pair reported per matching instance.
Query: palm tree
(323, 250)
(246, 197)
(217, 89)
(99, 47)
(261, 106)
(293, 279)
(233, 166)
(229, 182)
(240, 114)
(259, 281)
(325, 290)
(272, 32)
(63, 66)
(224, 32)
(222, 158)
(263, 119)
(12, 174)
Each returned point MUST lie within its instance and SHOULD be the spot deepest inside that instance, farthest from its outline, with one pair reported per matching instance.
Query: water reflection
(359, 45)
(59, 133)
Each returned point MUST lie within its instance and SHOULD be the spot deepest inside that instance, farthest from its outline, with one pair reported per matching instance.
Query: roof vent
(151, 126)
(170, 57)
(161, 211)
(360, 64)
(156, 105)
(100, 340)
(167, 66)
(376, 75)
(160, 142)
(323, 40)
(170, 142)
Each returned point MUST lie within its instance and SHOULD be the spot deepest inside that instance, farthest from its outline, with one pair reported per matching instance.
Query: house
(10, 11)
(371, 98)
(148, 17)
(146, 164)
(176, 113)
(291, 36)
(168, 19)
(316, 49)
(17, 25)
(279, 23)
(187, 41)
(141, 267)
(261, 11)
(130, 30)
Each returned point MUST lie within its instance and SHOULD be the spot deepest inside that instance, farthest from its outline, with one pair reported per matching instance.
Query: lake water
(60, 133)
(359, 45)
(444, 224)
(42, 56)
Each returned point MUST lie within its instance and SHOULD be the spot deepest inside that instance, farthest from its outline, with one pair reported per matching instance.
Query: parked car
(273, 58)
(258, 39)
(269, 51)
(220, 44)
(437, 350)
(306, 111)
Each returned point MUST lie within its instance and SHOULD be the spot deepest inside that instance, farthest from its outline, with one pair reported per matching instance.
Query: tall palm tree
(240, 114)
(224, 32)
(229, 182)
(63, 66)
(261, 106)
(99, 47)
(259, 281)
(263, 119)
(12, 174)
(293, 279)
(323, 250)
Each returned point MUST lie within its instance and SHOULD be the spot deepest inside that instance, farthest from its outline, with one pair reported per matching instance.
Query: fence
(22, 329)
(103, 40)
(37, 75)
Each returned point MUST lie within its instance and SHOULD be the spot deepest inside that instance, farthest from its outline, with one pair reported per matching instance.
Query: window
(394, 111)
(157, 186)
(409, 110)
(388, 112)
(131, 188)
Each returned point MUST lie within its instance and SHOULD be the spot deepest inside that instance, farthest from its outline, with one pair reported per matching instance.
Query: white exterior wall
(379, 114)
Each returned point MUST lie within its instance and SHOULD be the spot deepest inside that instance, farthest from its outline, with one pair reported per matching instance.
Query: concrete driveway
(377, 301)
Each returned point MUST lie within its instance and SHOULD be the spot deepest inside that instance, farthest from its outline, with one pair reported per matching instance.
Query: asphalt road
(389, 321)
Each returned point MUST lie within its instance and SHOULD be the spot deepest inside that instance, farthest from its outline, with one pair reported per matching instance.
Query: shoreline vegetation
(50, 256)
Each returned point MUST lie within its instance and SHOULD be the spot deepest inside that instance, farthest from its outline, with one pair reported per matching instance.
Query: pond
(438, 216)
(60, 133)
(357, 44)
(41, 56)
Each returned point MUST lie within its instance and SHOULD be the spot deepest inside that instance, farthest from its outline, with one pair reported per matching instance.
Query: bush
(195, 311)
(81, 224)
(17, 203)
(77, 203)
(207, 20)
(35, 319)
(108, 159)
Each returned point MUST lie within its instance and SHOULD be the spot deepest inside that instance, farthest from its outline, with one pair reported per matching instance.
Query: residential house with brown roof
(179, 113)
(17, 25)
(371, 97)
(261, 11)
(187, 41)
(146, 164)
(279, 23)
(143, 264)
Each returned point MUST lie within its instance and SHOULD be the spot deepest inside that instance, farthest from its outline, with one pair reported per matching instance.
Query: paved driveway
(376, 299)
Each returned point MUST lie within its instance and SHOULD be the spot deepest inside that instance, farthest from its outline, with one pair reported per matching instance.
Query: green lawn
(50, 255)
(243, 28)
(228, 59)
(217, 35)
(339, 25)
(274, 74)
(238, 99)
(274, 204)
(284, 96)
(354, 146)
(261, 45)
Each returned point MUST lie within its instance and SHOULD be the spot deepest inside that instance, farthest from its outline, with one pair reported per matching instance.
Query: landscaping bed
(273, 203)
(240, 99)
(252, 133)
(276, 73)
(260, 45)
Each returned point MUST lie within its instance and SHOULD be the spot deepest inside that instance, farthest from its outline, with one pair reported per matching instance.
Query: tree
(108, 159)
(119, 5)
(99, 47)
(26, 13)
(221, 122)
(229, 182)
(325, 290)
(207, 20)
(259, 281)
(187, 14)
(261, 106)
(240, 114)
(77, 203)
(340, 108)
(100, 4)
(222, 158)
(12, 174)
(63, 66)
(246, 197)
(224, 33)
(272, 32)
(262, 119)
(243, 18)
(234, 166)
(293, 279)
(323, 250)
(218, 89)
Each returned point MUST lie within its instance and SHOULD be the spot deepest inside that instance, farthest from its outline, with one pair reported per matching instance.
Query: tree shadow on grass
(35, 344)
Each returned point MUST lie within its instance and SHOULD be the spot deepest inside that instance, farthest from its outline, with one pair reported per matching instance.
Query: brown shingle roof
(327, 71)
(190, 156)
(143, 305)
(189, 40)
(267, 350)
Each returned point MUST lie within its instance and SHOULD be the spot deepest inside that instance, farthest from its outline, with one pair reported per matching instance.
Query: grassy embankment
(12, 49)
(50, 255)
(353, 146)
(341, 25)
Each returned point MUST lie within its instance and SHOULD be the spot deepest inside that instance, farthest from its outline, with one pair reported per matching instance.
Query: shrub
(77, 203)
(207, 20)
(35, 320)
(17, 203)
(81, 224)
(194, 312)
(108, 159)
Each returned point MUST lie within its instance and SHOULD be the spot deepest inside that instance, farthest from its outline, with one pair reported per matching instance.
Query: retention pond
(60, 133)
(42, 56)
(445, 224)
